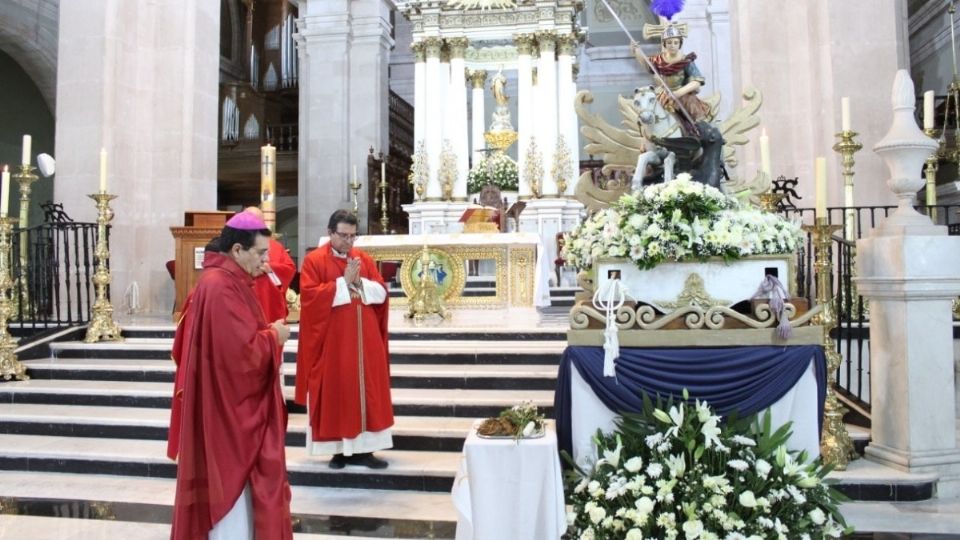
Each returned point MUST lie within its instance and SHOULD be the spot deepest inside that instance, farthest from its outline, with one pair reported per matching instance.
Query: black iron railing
(52, 283)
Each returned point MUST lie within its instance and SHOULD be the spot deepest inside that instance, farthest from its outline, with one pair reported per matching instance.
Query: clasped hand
(352, 274)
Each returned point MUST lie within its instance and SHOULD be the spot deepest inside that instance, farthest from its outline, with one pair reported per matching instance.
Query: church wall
(24, 112)
(827, 51)
(139, 79)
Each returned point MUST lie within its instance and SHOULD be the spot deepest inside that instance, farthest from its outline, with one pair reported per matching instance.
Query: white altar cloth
(798, 405)
(509, 490)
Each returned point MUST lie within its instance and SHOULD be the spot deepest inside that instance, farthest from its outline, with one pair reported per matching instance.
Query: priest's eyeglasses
(346, 236)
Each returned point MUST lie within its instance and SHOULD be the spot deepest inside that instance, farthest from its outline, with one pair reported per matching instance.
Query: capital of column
(524, 43)
(546, 41)
(478, 77)
(567, 44)
(433, 46)
(458, 46)
(445, 55)
(419, 51)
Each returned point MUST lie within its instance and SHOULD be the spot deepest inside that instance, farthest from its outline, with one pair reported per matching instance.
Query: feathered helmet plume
(666, 9)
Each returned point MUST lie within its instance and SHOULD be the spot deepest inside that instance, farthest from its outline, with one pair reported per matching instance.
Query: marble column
(525, 103)
(547, 96)
(459, 136)
(908, 269)
(566, 115)
(434, 131)
(478, 79)
(419, 93)
(141, 80)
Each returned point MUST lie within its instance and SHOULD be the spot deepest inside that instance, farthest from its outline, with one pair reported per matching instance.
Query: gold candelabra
(10, 367)
(355, 187)
(770, 201)
(102, 327)
(26, 177)
(847, 146)
(384, 218)
(930, 171)
(836, 448)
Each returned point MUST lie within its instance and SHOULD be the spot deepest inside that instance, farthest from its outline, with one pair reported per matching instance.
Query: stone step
(326, 512)
(408, 470)
(406, 401)
(542, 352)
(440, 434)
(489, 376)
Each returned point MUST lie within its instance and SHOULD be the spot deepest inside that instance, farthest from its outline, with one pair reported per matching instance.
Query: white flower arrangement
(676, 221)
(497, 169)
(679, 471)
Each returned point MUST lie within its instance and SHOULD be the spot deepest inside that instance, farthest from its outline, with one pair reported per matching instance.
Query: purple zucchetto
(245, 221)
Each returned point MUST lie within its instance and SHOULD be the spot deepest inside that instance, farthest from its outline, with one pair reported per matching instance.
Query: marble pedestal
(549, 217)
(436, 217)
(911, 280)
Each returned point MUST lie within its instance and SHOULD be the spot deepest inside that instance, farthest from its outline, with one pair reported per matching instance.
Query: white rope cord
(609, 299)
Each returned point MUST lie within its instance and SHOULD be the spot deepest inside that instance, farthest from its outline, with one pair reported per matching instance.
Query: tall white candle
(928, 109)
(103, 170)
(25, 155)
(821, 186)
(354, 175)
(5, 191)
(383, 171)
(845, 114)
(765, 153)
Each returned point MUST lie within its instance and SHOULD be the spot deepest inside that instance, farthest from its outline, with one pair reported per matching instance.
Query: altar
(477, 270)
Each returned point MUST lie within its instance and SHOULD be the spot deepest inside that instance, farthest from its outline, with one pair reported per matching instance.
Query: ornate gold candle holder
(836, 449)
(384, 217)
(847, 146)
(102, 327)
(770, 201)
(355, 188)
(10, 367)
(930, 171)
(25, 177)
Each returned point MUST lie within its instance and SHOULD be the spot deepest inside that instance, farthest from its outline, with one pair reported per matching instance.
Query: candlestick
(102, 327)
(846, 147)
(844, 114)
(25, 177)
(25, 155)
(10, 367)
(5, 191)
(384, 217)
(928, 109)
(103, 170)
(820, 175)
(765, 153)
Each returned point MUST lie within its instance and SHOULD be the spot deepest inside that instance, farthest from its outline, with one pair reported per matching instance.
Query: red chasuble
(229, 420)
(273, 298)
(342, 360)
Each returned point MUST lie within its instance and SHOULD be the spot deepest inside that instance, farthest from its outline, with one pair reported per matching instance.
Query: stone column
(909, 271)
(566, 115)
(459, 136)
(525, 103)
(113, 59)
(547, 96)
(478, 78)
(434, 131)
(419, 93)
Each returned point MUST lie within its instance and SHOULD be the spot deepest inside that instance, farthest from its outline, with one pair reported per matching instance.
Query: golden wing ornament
(619, 148)
(742, 120)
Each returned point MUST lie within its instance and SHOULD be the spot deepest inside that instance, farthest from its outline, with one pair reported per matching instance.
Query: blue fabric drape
(746, 379)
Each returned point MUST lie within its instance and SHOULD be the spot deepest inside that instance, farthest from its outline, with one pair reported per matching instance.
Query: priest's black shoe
(339, 461)
(368, 460)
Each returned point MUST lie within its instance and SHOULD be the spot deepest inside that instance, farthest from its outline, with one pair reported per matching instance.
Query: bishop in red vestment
(343, 370)
(229, 419)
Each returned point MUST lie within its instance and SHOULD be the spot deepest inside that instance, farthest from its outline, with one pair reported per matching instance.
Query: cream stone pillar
(434, 131)
(419, 93)
(547, 96)
(478, 78)
(525, 104)
(161, 146)
(566, 115)
(459, 136)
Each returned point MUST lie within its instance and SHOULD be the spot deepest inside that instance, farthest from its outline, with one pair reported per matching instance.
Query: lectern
(199, 227)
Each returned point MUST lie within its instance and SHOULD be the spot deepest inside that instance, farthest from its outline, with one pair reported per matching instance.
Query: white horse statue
(656, 123)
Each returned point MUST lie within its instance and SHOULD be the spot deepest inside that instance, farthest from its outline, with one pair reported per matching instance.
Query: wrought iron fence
(52, 265)
(852, 334)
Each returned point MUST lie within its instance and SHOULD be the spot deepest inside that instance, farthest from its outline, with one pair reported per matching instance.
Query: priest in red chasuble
(271, 290)
(343, 369)
(229, 419)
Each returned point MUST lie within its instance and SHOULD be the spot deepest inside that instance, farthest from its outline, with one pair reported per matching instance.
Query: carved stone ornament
(478, 77)
(458, 46)
(694, 293)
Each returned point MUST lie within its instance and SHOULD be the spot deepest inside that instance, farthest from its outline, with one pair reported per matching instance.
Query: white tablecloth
(509, 490)
(798, 405)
